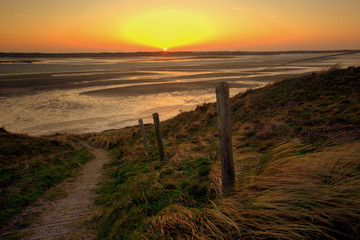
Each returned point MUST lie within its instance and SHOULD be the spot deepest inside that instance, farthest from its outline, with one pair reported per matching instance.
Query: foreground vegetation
(297, 161)
(296, 151)
(31, 165)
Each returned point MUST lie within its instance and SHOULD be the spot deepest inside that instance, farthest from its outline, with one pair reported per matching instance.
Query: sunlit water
(65, 108)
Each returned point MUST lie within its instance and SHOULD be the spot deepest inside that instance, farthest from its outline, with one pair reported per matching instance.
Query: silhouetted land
(169, 53)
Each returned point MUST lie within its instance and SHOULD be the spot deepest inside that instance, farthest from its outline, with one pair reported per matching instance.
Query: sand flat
(97, 93)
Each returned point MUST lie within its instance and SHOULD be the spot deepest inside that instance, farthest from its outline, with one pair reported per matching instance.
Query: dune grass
(291, 197)
(281, 193)
(139, 188)
(296, 151)
(30, 166)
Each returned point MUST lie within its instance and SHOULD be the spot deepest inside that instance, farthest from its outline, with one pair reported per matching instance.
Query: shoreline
(94, 100)
(170, 53)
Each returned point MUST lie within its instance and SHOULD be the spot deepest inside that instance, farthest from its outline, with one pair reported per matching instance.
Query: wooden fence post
(141, 123)
(158, 136)
(224, 125)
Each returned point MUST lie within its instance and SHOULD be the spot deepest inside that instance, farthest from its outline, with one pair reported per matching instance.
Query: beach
(48, 95)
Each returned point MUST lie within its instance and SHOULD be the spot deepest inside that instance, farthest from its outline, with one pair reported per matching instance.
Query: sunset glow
(139, 25)
(167, 28)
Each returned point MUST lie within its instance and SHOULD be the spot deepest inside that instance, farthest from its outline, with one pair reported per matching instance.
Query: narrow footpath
(66, 217)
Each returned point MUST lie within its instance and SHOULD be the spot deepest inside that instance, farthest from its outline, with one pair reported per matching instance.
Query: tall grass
(290, 198)
(296, 154)
(140, 188)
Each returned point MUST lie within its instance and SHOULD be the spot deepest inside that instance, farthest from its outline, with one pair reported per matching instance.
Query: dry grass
(296, 152)
(290, 198)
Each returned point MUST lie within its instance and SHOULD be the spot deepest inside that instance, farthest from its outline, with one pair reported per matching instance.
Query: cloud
(238, 9)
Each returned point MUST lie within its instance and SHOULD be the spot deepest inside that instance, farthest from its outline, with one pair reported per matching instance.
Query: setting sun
(206, 25)
(168, 28)
(128, 103)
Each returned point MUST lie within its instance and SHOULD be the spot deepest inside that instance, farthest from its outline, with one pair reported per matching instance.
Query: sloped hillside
(297, 157)
(31, 165)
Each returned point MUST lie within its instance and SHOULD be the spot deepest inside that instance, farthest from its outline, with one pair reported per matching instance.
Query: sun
(170, 28)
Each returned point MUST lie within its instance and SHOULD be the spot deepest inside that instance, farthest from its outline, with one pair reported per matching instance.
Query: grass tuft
(32, 165)
(296, 154)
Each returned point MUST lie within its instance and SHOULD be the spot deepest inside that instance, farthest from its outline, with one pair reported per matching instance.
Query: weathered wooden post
(141, 123)
(158, 136)
(224, 125)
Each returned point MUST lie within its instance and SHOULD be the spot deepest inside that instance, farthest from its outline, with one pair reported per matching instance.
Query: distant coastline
(176, 54)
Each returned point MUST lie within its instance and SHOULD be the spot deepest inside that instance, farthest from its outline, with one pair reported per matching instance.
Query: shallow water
(78, 95)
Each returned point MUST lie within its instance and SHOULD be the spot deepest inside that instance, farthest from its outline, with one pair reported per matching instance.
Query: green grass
(140, 189)
(30, 166)
(296, 152)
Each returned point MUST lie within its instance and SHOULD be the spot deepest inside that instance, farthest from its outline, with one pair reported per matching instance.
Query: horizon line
(172, 52)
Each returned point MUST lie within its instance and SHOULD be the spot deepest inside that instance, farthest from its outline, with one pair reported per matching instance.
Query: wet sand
(143, 82)
(17, 84)
(94, 94)
(157, 88)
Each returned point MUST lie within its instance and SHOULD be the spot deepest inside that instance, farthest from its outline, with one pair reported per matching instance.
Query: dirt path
(64, 218)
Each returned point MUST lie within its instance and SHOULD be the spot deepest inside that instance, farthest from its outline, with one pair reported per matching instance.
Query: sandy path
(65, 218)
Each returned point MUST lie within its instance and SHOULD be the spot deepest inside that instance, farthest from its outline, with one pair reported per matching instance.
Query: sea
(56, 95)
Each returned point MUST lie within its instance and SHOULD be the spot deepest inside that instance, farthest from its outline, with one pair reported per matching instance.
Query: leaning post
(158, 136)
(141, 123)
(224, 126)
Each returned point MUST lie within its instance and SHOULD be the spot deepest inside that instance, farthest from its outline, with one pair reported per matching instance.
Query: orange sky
(140, 25)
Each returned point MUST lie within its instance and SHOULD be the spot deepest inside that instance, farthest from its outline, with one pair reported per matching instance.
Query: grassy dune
(31, 165)
(297, 161)
(297, 158)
